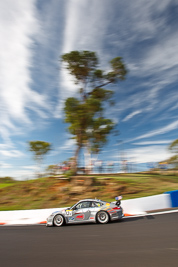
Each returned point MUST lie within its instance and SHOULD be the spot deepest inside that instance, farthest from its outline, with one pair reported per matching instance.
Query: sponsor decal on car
(71, 218)
(107, 204)
(80, 217)
(107, 208)
(92, 218)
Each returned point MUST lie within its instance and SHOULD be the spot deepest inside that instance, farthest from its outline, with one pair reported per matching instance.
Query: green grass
(5, 185)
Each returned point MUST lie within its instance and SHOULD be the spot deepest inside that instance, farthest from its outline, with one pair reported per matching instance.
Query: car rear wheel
(102, 217)
(58, 220)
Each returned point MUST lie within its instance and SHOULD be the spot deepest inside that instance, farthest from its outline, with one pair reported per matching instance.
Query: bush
(69, 173)
(6, 179)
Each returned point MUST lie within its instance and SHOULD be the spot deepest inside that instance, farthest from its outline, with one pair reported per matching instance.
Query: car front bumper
(49, 221)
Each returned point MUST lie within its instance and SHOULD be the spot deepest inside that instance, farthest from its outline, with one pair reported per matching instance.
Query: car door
(81, 212)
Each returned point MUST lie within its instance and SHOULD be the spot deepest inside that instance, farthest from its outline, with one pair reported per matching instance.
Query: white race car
(87, 210)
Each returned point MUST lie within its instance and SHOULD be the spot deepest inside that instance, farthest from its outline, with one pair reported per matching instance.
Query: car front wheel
(102, 217)
(58, 220)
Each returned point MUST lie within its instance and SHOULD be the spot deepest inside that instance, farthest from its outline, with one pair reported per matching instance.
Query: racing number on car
(69, 212)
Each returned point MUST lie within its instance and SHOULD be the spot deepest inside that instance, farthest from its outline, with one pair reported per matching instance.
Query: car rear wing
(118, 200)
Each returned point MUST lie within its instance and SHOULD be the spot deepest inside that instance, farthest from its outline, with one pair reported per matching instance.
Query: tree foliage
(173, 147)
(85, 114)
(39, 148)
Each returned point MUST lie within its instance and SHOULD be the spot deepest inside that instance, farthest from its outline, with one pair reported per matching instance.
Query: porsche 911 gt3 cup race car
(87, 210)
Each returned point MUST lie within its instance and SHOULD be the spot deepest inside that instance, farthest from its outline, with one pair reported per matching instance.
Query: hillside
(57, 192)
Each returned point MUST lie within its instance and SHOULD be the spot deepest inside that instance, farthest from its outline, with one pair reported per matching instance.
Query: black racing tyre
(102, 217)
(58, 220)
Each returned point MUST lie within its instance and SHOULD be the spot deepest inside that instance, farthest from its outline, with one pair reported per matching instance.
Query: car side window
(83, 205)
(96, 204)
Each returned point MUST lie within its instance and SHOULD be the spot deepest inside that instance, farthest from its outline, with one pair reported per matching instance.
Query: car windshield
(72, 206)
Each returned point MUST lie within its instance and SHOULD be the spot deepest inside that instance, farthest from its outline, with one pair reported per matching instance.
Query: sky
(34, 84)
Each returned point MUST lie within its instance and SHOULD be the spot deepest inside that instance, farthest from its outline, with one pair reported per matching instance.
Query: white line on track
(153, 213)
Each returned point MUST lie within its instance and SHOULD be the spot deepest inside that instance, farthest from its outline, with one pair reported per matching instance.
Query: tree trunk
(87, 159)
(39, 175)
(75, 163)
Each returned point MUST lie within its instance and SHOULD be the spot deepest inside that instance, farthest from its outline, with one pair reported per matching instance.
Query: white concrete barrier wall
(25, 216)
(143, 204)
(131, 206)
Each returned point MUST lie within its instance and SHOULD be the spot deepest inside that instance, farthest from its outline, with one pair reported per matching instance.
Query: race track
(143, 241)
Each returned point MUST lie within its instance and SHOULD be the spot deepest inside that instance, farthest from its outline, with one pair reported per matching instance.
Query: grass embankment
(52, 192)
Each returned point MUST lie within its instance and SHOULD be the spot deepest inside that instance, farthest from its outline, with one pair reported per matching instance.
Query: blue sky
(34, 86)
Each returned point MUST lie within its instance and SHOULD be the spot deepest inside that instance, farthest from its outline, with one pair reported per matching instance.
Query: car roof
(91, 199)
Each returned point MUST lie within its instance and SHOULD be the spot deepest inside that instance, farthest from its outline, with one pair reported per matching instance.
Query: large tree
(39, 148)
(85, 113)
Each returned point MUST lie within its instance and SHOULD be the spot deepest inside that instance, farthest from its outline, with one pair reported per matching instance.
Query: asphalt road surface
(144, 241)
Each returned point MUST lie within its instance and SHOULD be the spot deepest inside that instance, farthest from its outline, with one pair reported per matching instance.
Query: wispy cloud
(153, 142)
(150, 36)
(31, 167)
(11, 153)
(162, 130)
(18, 27)
(131, 115)
(68, 145)
(146, 154)
(5, 165)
